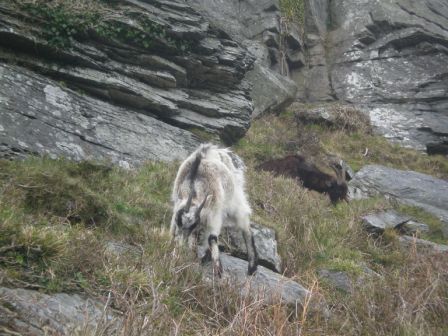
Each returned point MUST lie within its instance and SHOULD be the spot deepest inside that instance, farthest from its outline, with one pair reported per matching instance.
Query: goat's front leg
(175, 232)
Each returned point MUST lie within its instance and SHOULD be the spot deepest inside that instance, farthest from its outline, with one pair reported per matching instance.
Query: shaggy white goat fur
(209, 193)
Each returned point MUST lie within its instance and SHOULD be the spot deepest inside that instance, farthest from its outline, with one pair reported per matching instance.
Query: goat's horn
(340, 171)
(336, 169)
(188, 204)
(344, 171)
(198, 211)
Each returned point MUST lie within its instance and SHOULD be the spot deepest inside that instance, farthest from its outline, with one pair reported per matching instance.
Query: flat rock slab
(408, 187)
(338, 279)
(343, 281)
(265, 244)
(264, 285)
(409, 242)
(29, 312)
(117, 248)
(380, 221)
(413, 227)
(40, 116)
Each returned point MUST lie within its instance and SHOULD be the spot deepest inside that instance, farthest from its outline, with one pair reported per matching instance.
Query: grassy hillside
(57, 219)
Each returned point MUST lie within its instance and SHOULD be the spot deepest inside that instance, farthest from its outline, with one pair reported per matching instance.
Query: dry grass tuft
(335, 116)
(348, 118)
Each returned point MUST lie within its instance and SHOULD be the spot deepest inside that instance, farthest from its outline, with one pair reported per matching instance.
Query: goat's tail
(195, 167)
(199, 155)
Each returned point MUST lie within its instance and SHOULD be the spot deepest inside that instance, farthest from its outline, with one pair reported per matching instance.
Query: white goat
(209, 191)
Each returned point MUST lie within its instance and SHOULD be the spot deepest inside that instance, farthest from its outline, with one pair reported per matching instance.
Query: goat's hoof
(252, 269)
(206, 257)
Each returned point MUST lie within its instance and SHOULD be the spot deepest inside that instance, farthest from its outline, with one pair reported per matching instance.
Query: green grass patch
(63, 21)
(345, 265)
(435, 233)
(294, 10)
(54, 215)
(267, 138)
(306, 219)
(203, 135)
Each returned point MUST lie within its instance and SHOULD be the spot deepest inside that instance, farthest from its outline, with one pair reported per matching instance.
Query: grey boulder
(338, 279)
(265, 285)
(414, 228)
(344, 281)
(265, 244)
(28, 312)
(380, 221)
(422, 244)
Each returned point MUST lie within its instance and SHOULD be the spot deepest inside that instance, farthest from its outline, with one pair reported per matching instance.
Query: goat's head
(338, 189)
(189, 216)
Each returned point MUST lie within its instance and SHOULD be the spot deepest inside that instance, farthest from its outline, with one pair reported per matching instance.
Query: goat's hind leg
(210, 239)
(210, 252)
(252, 256)
(243, 223)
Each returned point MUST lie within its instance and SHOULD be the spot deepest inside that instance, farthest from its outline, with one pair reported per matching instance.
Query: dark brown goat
(310, 176)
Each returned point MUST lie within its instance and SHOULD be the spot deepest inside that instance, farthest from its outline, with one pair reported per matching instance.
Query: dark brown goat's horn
(188, 204)
(339, 169)
(198, 211)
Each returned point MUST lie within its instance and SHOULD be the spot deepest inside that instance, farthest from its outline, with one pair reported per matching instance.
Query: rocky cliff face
(387, 57)
(132, 103)
(277, 47)
(163, 77)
